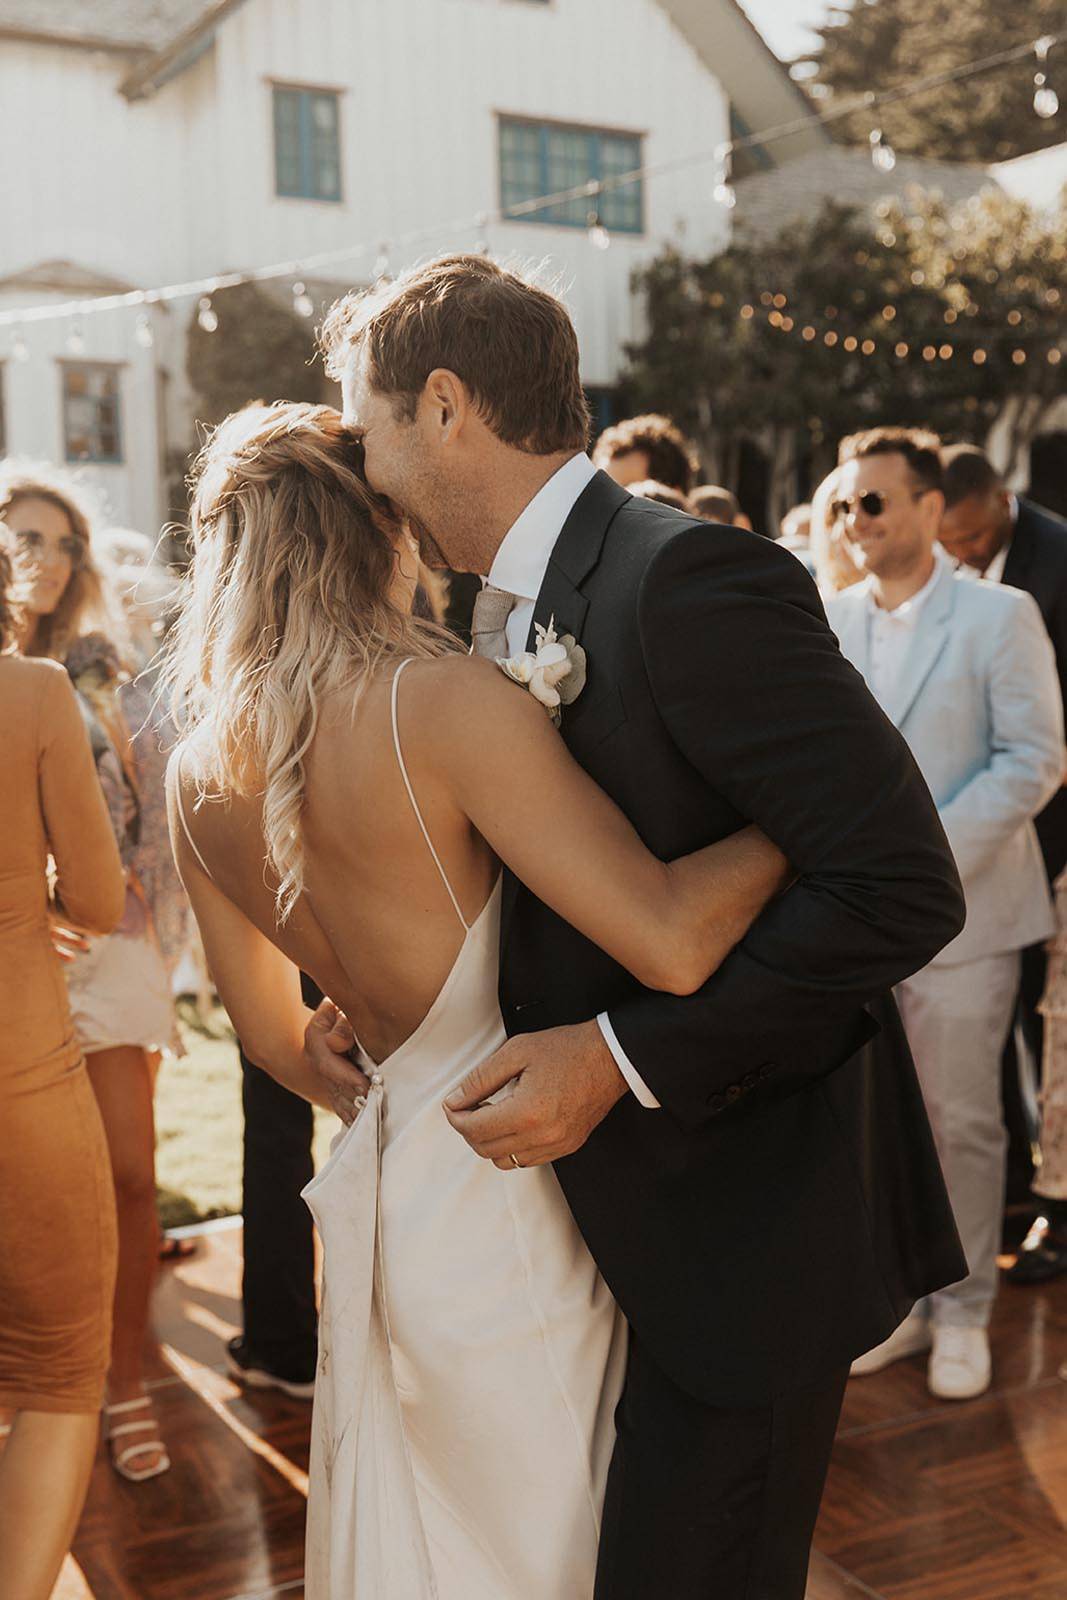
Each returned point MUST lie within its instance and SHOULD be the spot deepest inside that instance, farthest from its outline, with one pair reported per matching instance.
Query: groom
(753, 1174)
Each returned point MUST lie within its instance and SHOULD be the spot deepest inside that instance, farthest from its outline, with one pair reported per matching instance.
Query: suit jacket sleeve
(1027, 761)
(749, 681)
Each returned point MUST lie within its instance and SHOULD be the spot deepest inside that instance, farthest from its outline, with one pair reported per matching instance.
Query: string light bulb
(381, 264)
(1046, 100)
(143, 332)
(206, 315)
(724, 193)
(20, 350)
(882, 153)
(599, 237)
(76, 340)
(303, 304)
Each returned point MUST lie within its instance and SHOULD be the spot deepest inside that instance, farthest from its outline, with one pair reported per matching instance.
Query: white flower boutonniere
(554, 673)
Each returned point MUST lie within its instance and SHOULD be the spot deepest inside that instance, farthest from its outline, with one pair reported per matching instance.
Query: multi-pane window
(539, 158)
(307, 143)
(91, 420)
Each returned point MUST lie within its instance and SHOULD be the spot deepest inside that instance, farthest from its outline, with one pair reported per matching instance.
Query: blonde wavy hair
(835, 566)
(85, 605)
(287, 600)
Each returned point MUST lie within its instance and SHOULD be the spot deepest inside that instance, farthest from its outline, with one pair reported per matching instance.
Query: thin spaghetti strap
(181, 816)
(415, 803)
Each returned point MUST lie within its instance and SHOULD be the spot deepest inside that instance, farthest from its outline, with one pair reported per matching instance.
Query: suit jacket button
(717, 1103)
(733, 1091)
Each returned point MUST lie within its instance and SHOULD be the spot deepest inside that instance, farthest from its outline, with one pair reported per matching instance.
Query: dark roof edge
(74, 42)
(803, 101)
(148, 75)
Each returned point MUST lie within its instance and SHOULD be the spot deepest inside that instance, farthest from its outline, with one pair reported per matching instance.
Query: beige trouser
(957, 1019)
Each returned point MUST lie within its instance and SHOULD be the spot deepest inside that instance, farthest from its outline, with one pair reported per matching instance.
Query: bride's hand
(327, 1040)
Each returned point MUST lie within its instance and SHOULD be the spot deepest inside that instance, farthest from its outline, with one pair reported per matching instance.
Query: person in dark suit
(1005, 538)
(763, 1200)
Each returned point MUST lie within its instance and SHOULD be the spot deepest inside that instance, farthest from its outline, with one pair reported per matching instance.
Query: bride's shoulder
(459, 687)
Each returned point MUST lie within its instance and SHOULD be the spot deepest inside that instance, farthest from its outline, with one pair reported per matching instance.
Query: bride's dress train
(470, 1354)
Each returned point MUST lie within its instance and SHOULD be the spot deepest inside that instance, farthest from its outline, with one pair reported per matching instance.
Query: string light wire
(199, 288)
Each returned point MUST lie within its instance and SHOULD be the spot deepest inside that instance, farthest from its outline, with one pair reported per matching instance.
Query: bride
(347, 788)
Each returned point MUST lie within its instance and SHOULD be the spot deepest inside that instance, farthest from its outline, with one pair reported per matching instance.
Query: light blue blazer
(978, 700)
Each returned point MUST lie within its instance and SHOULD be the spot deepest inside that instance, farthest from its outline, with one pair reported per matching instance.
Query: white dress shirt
(892, 633)
(519, 566)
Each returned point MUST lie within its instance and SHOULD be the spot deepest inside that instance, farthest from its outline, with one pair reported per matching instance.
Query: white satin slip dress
(471, 1356)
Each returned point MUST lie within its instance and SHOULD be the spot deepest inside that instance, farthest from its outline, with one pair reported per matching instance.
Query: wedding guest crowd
(890, 535)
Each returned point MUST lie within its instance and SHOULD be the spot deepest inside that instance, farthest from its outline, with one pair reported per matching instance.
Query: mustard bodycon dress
(57, 1212)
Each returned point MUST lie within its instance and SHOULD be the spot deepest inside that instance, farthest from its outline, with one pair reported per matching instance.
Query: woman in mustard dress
(57, 1212)
(119, 987)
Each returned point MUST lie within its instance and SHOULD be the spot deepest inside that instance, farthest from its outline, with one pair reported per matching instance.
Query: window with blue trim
(307, 144)
(91, 422)
(544, 158)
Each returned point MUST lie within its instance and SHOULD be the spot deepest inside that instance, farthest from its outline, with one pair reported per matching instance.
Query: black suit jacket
(1037, 562)
(785, 1208)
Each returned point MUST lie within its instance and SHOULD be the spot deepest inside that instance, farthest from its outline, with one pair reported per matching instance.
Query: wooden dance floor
(926, 1501)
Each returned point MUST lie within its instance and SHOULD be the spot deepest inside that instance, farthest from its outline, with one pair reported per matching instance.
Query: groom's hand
(328, 1038)
(561, 1082)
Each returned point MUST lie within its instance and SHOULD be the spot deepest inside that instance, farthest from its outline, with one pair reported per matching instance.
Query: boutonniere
(554, 673)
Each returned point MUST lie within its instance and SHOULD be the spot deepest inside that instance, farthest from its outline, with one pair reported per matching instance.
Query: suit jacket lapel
(1021, 551)
(574, 555)
(927, 643)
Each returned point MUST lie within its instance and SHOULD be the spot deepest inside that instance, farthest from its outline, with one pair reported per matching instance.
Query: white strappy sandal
(121, 1458)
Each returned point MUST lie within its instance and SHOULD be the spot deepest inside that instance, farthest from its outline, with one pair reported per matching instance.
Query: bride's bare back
(375, 925)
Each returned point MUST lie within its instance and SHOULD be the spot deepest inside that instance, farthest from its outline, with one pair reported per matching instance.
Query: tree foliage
(875, 44)
(950, 317)
(260, 350)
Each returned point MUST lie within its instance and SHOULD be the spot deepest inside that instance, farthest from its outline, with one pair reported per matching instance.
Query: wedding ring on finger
(515, 1162)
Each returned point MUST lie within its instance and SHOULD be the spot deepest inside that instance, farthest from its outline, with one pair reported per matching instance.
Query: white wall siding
(181, 184)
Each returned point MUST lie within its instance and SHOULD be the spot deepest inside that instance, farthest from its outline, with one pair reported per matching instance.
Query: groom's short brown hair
(511, 342)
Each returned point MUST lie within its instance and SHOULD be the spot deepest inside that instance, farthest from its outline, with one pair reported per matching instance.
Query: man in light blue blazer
(967, 673)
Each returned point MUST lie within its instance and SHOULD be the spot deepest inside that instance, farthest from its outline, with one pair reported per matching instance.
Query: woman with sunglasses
(57, 1210)
(118, 986)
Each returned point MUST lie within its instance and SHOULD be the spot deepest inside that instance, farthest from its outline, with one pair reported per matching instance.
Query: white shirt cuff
(634, 1080)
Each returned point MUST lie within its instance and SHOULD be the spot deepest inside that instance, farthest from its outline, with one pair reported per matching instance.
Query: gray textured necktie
(492, 608)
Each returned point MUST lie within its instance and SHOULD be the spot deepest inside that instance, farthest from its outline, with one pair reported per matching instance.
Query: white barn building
(154, 142)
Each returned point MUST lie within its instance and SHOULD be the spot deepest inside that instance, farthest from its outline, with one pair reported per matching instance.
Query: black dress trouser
(706, 1503)
(278, 1289)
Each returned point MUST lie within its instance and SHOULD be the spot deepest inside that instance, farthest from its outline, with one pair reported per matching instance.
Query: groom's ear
(446, 404)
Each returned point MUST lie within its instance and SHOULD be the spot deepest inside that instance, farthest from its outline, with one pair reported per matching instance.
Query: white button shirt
(519, 567)
(892, 633)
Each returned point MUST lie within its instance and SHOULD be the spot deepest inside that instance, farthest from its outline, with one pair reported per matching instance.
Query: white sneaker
(912, 1336)
(960, 1365)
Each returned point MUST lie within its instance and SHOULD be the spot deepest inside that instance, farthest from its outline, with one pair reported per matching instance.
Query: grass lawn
(199, 1124)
